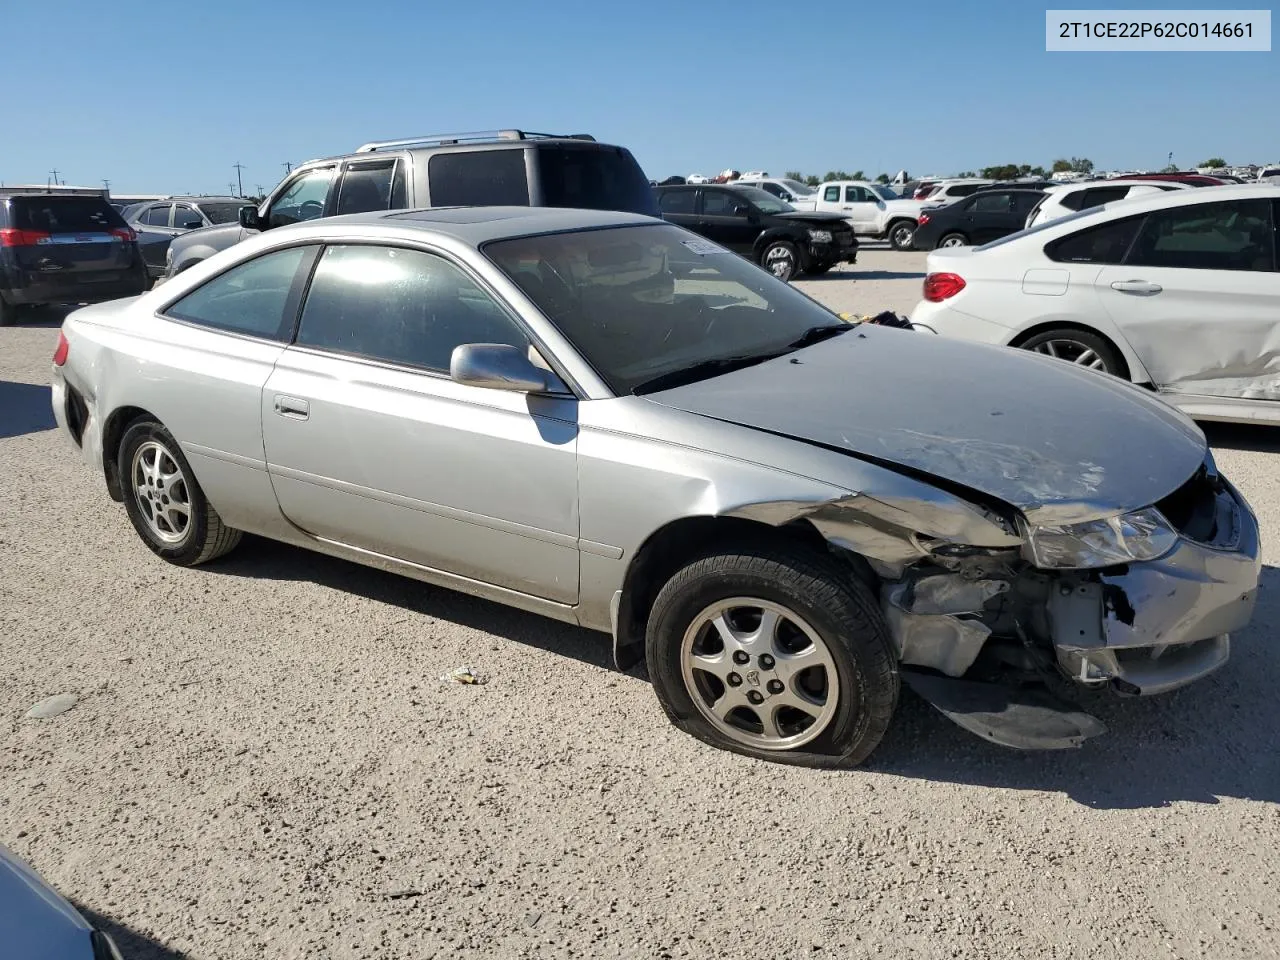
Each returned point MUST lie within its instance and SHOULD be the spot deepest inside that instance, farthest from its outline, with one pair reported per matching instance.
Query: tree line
(1002, 171)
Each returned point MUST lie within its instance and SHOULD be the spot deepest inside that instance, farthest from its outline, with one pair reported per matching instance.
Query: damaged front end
(996, 622)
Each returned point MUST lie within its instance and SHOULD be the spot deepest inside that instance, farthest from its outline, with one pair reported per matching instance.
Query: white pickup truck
(873, 209)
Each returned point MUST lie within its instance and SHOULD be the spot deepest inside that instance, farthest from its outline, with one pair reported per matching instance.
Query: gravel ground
(262, 763)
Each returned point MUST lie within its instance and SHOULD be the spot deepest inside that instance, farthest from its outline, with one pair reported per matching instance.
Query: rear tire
(818, 688)
(952, 240)
(1080, 347)
(902, 234)
(164, 501)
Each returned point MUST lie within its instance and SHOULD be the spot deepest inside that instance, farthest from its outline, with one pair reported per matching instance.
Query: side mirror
(499, 366)
(249, 218)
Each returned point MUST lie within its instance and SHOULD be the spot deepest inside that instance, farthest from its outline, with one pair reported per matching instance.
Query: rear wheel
(953, 240)
(901, 234)
(1079, 347)
(781, 259)
(776, 653)
(164, 501)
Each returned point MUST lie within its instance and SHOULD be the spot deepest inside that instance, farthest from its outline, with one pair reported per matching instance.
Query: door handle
(292, 407)
(1136, 286)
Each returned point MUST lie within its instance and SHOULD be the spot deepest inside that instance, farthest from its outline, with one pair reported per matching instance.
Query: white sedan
(1177, 291)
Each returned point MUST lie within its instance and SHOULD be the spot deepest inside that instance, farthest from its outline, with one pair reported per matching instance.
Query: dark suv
(159, 222)
(64, 249)
(747, 220)
(496, 168)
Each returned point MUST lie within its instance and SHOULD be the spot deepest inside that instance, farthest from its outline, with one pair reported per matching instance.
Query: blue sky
(165, 95)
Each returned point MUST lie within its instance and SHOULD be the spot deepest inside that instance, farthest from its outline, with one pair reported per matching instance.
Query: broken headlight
(1141, 535)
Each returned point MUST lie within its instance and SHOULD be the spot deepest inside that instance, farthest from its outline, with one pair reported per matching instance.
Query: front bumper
(1153, 627)
(833, 252)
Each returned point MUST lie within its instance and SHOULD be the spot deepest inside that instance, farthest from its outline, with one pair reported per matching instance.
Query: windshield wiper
(701, 371)
(818, 334)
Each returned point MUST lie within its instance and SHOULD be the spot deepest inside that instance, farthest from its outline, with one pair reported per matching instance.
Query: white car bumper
(946, 320)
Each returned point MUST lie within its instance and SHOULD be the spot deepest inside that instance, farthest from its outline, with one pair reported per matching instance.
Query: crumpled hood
(1060, 443)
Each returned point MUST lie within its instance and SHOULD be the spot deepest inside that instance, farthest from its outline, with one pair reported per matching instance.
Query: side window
(250, 298)
(1097, 196)
(722, 203)
(988, 202)
(1228, 235)
(303, 199)
(676, 201)
(1105, 243)
(478, 178)
(773, 188)
(157, 216)
(1026, 201)
(1072, 199)
(183, 215)
(963, 189)
(400, 306)
(831, 195)
(365, 187)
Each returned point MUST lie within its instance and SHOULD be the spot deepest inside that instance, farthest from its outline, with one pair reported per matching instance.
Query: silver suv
(492, 168)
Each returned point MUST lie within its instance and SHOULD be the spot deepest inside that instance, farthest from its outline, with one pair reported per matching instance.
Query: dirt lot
(263, 764)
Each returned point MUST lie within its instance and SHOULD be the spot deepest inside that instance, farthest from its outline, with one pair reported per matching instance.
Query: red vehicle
(1195, 179)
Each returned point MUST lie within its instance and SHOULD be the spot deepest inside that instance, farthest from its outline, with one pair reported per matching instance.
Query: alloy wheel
(780, 261)
(1073, 351)
(759, 673)
(161, 491)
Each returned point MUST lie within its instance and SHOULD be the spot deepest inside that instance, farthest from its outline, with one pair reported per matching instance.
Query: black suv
(747, 220)
(64, 249)
(496, 168)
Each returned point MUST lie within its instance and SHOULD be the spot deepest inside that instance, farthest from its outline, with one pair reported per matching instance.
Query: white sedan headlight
(1137, 536)
(820, 236)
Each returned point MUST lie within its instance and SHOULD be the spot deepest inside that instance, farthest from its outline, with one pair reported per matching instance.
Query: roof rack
(477, 137)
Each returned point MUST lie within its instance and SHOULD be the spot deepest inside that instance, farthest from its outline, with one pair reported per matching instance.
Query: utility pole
(106, 185)
(287, 167)
(54, 173)
(231, 189)
(239, 181)
(258, 188)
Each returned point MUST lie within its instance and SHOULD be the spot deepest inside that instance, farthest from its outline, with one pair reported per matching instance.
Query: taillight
(126, 234)
(61, 351)
(924, 218)
(12, 237)
(942, 286)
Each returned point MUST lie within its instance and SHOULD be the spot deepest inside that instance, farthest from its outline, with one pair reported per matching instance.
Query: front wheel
(952, 240)
(902, 234)
(164, 501)
(781, 259)
(776, 653)
(1079, 347)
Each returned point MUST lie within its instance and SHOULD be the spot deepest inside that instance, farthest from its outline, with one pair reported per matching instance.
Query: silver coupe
(611, 421)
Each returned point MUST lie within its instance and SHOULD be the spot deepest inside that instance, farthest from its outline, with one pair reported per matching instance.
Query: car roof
(475, 225)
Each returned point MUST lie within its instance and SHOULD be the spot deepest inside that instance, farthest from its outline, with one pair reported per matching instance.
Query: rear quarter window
(594, 178)
(479, 178)
(64, 214)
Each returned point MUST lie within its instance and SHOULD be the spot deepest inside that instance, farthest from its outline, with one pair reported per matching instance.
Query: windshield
(642, 302)
(796, 188)
(766, 201)
(222, 212)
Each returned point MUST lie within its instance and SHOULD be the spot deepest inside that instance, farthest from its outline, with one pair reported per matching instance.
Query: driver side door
(726, 218)
(861, 208)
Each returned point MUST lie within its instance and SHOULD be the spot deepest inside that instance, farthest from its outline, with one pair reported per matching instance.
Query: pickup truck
(872, 209)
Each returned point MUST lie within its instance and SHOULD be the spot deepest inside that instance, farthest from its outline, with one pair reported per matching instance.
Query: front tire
(902, 235)
(775, 653)
(782, 259)
(1079, 347)
(165, 503)
(952, 240)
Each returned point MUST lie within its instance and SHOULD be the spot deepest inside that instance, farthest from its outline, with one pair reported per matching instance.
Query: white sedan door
(1198, 299)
